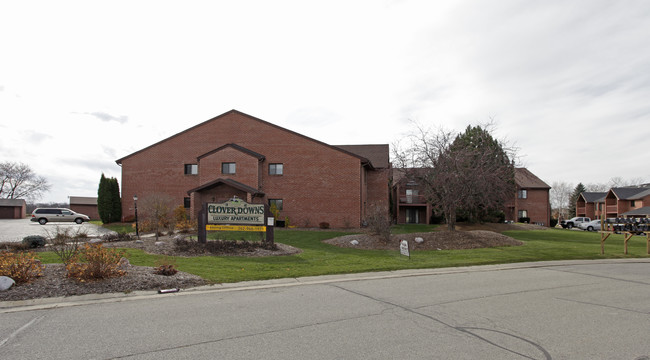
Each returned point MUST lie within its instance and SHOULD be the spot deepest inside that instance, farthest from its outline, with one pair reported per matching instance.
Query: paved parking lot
(16, 230)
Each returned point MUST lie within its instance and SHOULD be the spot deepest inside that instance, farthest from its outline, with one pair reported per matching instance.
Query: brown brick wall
(319, 183)
(90, 210)
(537, 205)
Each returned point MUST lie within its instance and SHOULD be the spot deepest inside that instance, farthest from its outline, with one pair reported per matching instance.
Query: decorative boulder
(139, 242)
(354, 242)
(6, 283)
(419, 240)
(124, 263)
(159, 243)
(94, 241)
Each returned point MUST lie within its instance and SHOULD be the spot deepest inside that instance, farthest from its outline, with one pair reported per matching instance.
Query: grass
(121, 228)
(318, 258)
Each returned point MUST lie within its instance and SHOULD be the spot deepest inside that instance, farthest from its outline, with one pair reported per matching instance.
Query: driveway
(16, 230)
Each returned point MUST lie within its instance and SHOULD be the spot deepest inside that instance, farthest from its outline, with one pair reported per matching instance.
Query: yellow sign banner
(235, 228)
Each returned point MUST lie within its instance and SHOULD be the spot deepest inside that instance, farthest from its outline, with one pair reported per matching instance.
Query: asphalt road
(17, 229)
(559, 310)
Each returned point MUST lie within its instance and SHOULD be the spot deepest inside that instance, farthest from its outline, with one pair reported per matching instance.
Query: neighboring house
(590, 204)
(409, 205)
(85, 205)
(531, 199)
(235, 154)
(631, 201)
(12, 208)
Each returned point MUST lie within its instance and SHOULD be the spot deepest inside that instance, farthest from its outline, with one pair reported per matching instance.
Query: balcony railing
(412, 199)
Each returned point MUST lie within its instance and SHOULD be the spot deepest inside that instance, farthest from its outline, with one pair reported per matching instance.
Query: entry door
(412, 216)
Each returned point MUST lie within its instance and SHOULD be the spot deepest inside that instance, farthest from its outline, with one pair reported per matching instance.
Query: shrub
(113, 237)
(379, 222)
(21, 267)
(14, 246)
(65, 245)
(165, 266)
(324, 225)
(34, 241)
(95, 262)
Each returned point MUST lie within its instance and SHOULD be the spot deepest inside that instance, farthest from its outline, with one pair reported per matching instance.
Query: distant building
(85, 205)
(12, 208)
(590, 204)
(531, 199)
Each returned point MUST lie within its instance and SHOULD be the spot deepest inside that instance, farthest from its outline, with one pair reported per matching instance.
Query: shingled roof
(528, 180)
(378, 154)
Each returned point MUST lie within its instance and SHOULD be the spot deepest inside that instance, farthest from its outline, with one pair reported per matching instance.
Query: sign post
(404, 248)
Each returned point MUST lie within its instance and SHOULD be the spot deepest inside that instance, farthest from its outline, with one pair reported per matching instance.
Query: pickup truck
(573, 222)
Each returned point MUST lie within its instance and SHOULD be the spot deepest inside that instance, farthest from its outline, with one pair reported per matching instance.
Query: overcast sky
(84, 83)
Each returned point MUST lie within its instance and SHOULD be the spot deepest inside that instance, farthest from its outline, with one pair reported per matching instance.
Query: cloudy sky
(83, 83)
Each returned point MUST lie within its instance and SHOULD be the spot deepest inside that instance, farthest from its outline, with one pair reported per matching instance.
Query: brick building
(531, 199)
(235, 154)
(12, 208)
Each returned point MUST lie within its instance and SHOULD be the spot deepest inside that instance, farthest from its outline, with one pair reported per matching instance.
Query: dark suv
(43, 215)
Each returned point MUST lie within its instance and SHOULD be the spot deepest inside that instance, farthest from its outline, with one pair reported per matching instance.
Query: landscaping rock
(94, 241)
(419, 240)
(354, 242)
(6, 283)
(160, 243)
(124, 264)
(139, 242)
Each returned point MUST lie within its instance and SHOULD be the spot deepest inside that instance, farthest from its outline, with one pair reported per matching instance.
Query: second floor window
(522, 194)
(191, 169)
(228, 168)
(276, 169)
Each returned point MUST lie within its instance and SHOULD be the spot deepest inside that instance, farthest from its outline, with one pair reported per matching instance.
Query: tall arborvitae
(116, 202)
(104, 202)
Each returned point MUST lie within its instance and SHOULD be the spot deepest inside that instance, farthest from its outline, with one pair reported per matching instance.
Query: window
(522, 194)
(632, 203)
(228, 168)
(411, 196)
(523, 213)
(276, 202)
(191, 169)
(187, 202)
(276, 169)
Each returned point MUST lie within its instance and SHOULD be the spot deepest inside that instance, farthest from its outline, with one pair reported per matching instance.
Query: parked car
(593, 225)
(573, 222)
(43, 215)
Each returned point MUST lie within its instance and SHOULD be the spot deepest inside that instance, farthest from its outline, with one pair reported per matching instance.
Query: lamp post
(137, 231)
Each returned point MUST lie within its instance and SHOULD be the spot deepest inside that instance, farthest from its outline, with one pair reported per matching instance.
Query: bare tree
(559, 195)
(471, 171)
(18, 181)
(157, 210)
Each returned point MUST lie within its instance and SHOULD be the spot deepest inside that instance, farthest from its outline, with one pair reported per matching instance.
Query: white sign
(404, 248)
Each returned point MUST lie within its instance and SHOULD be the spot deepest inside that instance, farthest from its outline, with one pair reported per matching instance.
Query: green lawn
(318, 258)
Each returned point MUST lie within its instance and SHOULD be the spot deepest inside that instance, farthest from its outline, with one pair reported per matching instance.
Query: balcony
(412, 199)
